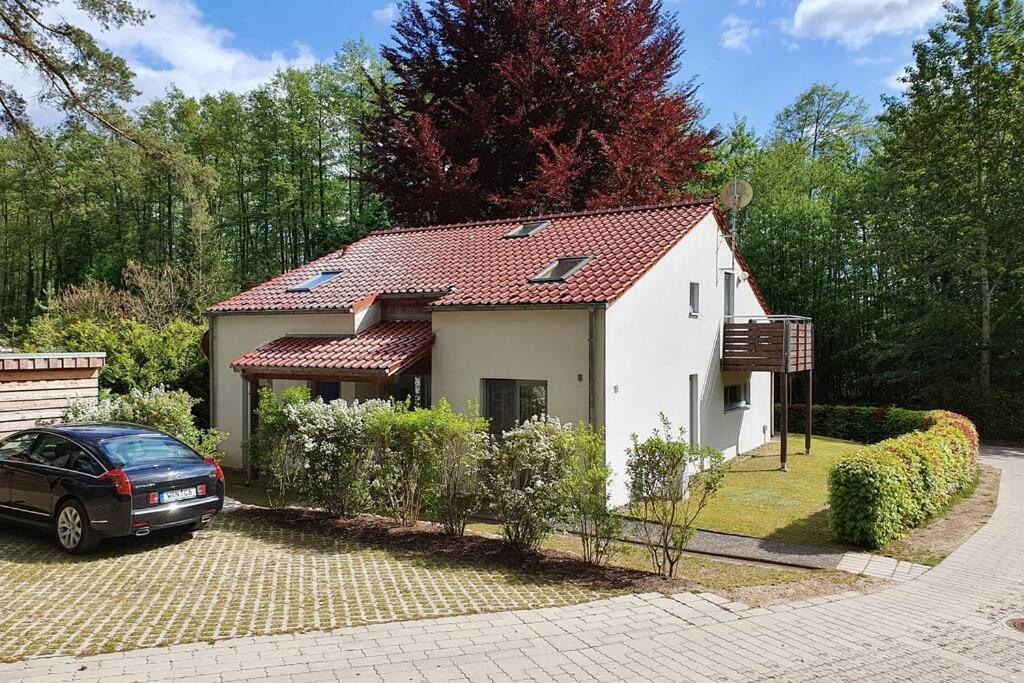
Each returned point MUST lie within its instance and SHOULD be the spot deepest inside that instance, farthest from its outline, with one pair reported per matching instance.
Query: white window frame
(694, 299)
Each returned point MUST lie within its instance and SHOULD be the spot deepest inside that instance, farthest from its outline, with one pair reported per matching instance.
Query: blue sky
(751, 57)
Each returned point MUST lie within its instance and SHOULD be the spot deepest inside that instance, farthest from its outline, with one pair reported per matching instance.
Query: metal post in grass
(810, 409)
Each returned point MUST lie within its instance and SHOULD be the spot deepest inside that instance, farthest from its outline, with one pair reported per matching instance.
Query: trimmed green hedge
(863, 424)
(894, 486)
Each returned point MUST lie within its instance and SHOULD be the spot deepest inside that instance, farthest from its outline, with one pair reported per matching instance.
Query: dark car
(86, 482)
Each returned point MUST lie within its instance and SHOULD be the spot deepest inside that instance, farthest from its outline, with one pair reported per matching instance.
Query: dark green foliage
(879, 495)
(863, 424)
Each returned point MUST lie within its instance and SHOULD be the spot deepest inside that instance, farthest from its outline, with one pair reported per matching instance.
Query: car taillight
(216, 465)
(201, 490)
(121, 481)
(154, 498)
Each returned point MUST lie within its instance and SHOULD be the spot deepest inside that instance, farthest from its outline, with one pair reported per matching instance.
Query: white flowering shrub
(522, 477)
(168, 411)
(336, 456)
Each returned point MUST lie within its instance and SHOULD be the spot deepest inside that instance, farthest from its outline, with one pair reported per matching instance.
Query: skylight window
(559, 270)
(315, 281)
(526, 229)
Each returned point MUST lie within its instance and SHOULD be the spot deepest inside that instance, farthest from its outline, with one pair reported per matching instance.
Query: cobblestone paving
(881, 567)
(263, 580)
(945, 625)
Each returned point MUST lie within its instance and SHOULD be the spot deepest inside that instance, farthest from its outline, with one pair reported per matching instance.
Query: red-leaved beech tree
(513, 107)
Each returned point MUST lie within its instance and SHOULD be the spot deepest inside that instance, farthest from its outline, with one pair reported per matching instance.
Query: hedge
(895, 485)
(863, 424)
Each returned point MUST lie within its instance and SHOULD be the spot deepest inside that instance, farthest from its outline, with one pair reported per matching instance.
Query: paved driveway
(946, 625)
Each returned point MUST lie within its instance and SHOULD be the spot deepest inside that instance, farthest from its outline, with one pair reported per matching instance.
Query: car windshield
(141, 450)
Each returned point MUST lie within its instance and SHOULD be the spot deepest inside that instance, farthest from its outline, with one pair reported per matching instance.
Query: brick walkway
(947, 624)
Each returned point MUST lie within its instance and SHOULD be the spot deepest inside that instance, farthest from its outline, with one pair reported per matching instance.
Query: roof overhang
(377, 354)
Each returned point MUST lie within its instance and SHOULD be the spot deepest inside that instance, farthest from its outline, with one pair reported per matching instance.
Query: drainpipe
(591, 369)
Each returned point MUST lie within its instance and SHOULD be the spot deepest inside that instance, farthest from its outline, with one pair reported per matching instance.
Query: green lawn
(758, 499)
(234, 487)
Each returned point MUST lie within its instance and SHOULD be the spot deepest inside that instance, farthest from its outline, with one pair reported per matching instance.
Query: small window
(55, 451)
(526, 229)
(559, 270)
(737, 396)
(86, 464)
(314, 282)
(730, 294)
(17, 447)
(509, 402)
(694, 299)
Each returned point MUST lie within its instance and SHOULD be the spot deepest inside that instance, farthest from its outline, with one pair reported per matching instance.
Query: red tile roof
(472, 264)
(383, 349)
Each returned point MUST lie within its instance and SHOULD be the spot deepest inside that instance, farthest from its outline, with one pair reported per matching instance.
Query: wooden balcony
(776, 343)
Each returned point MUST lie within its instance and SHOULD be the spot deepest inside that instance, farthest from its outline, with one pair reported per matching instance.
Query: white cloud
(872, 61)
(738, 33)
(387, 13)
(893, 82)
(855, 22)
(179, 46)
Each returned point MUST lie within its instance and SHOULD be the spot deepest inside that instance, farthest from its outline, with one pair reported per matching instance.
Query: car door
(12, 449)
(34, 479)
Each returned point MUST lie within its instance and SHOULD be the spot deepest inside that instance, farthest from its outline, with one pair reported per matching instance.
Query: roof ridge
(550, 216)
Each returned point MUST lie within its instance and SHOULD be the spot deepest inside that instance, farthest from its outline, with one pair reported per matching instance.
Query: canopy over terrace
(379, 355)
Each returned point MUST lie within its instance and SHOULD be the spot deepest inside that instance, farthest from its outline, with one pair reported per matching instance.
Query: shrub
(404, 466)
(670, 483)
(459, 443)
(331, 440)
(877, 496)
(586, 493)
(168, 411)
(522, 477)
(271, 448)
(139, 356)
(864, 424)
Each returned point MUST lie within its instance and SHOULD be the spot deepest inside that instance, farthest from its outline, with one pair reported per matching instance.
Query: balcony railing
(773, 343)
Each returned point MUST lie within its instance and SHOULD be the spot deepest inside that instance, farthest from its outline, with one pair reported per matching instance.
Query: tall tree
(76, 75)
(500, 107)
(952, 226)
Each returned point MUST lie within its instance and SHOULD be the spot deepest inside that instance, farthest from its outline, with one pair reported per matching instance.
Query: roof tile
(472, 264)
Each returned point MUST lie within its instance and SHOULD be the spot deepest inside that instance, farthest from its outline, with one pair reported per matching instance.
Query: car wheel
(74, 533)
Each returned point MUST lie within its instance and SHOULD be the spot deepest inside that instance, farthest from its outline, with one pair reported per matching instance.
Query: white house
(609, 317)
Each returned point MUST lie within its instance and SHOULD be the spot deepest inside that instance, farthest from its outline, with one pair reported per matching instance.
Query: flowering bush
(331, 440)
(168, 411)
(522, 477)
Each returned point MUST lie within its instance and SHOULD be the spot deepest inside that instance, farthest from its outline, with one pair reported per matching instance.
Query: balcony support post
(783, 444)
(810, 411)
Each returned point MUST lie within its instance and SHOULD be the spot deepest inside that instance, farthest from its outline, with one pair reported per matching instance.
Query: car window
(86, 464)
(140, 450)
(55, 451)
(16, 447)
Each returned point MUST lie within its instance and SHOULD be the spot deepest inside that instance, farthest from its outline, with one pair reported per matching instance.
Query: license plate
(175, 496)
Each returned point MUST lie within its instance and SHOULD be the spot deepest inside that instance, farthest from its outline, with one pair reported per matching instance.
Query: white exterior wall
(550, 345)
(653, 346)
(234, 335)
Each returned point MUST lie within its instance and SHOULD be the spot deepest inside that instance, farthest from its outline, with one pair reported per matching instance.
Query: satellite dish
(736, 194)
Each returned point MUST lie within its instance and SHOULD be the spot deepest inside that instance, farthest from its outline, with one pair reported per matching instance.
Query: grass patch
(235, 487)
(948, 530)
(760, 500)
